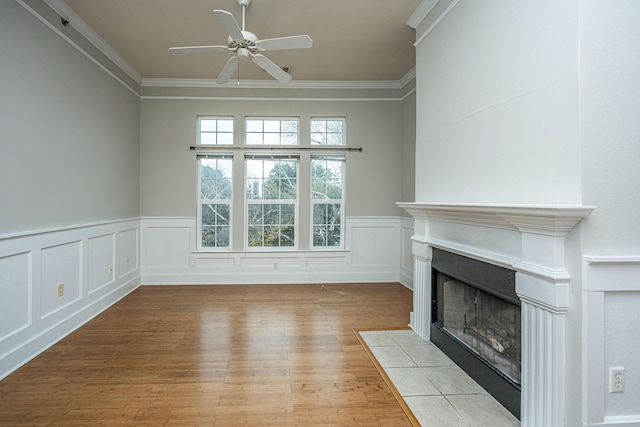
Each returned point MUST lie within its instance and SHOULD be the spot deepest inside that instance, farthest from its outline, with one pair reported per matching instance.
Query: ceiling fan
(245, 44)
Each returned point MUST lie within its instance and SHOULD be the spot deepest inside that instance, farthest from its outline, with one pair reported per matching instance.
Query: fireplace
(476, 321)
(528, 240)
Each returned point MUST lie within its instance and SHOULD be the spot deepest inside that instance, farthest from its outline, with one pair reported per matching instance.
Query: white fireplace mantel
(529, 239)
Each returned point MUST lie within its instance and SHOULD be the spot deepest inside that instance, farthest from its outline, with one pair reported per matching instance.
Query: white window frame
(314, 201)
(327, 119)
(265, 133)
(217, 132)
(295, 202)
(201, 202)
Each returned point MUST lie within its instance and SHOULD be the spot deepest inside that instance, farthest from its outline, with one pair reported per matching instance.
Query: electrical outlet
(616, 379)
(111, 270)
(275, 265)
(60, 289)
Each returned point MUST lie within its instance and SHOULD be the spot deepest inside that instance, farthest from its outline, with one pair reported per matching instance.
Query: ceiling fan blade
(291, 42)
(272, 68)
(229, 23)
(197, 49)
(228, 69)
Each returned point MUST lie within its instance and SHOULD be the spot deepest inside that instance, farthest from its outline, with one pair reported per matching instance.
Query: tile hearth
(437, 391)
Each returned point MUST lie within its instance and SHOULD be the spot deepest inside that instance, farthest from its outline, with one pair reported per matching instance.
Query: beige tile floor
(437, 391)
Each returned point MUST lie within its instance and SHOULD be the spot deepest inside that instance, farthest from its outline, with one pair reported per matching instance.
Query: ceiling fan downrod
(244, 4)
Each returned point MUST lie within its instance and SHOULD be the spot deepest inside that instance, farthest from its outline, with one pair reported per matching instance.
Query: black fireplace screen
(487, 324)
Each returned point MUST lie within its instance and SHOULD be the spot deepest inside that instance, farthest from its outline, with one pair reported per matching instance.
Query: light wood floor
(268, 355)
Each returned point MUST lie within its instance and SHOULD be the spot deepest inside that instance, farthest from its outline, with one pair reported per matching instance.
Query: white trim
(268, 99)
(436, 22)
(64, 228)
(60, 7)
(272, 84)
(407, 78)
(421, 12)
(602, 274)
(78, 47)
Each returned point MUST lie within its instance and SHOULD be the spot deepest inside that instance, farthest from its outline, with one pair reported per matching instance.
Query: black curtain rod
(272, 148)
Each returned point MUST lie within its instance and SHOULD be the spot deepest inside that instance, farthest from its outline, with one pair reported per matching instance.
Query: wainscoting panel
(101, 261)
(61, 266)
(15, 294)
(611, 338)
(53, 281)
(371, 254)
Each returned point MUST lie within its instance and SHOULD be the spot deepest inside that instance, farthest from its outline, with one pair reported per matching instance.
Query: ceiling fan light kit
(244, 44)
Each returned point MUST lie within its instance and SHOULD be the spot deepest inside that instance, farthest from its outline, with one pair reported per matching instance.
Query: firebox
(476, 321)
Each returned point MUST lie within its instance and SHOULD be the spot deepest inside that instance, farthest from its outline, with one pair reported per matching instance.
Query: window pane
(271, 139)
(255, 236)
(254, 138)
(271, 132)
(289, 138)
(287, 236)
(327, 132)
(272, 126)
(288, 214)
(207, 138)
(215, 219)
(225, 126)
(215, 131)
(207, 125)
(225, 138)
(215, 179)
(271, 214)
(327, 191)
(334, 139)
(254, 125)
(255, 216)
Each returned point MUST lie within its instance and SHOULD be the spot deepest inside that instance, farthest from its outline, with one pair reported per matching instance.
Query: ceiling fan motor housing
(249, 42)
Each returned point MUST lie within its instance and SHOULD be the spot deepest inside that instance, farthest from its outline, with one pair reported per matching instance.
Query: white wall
(610, 152)
(69, 161)
(537, 103)
(497, 105)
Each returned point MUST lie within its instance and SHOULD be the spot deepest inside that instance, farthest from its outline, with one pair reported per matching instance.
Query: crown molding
(61, 8)
(269, 84)
(294, 84)
(421, 12)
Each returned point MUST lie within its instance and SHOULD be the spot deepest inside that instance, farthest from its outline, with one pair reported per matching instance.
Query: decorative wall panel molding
(53, 281)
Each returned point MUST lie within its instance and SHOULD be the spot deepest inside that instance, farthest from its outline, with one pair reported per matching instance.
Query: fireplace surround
(530, 240)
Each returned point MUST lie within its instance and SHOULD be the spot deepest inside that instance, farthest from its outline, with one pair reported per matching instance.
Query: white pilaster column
(421, 319)
(542, 283)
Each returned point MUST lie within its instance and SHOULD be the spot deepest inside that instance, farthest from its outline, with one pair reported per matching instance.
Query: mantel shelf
(547, 219)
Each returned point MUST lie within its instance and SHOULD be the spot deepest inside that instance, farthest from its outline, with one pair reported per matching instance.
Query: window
(216, 194)
(215, 130)
(327, 132)
(275, 212)
(327, 194)
(272, 200)
(271, 131)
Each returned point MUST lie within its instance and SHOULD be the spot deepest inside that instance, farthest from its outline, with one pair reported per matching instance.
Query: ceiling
(353, 40)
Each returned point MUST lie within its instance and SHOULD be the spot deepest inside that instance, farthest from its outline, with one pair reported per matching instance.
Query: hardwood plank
(260, 355)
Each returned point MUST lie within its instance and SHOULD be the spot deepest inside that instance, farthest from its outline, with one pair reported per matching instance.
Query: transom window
(272, 131)
(272, 200)
(327, 132)
(215, 130)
